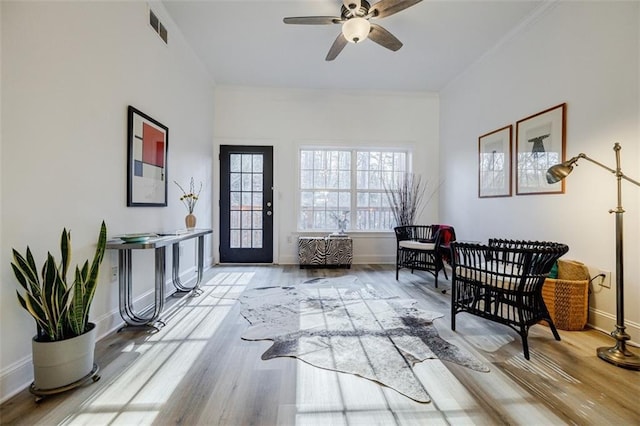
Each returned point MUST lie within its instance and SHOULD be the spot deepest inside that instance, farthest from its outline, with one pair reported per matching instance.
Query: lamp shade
(558, 172)
(356, 29)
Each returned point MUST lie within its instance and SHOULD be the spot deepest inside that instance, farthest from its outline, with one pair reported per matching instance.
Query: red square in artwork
(152, 145)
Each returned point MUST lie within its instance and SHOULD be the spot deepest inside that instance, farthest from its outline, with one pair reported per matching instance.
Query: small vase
(190, 221)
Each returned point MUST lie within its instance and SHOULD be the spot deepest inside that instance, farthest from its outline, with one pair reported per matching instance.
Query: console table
(151, 315)
(325, 251)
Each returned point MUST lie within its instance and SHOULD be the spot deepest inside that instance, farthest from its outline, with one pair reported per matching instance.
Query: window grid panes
(338, 185)
(245, 207)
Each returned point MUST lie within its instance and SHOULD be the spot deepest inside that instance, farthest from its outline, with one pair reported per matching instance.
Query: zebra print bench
(315, 252)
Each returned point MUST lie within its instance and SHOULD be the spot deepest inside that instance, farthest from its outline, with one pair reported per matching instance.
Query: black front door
(246, 204)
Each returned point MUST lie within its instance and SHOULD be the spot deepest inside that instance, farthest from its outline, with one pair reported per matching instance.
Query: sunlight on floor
(147, 373)
(326, 397)
(346, 399)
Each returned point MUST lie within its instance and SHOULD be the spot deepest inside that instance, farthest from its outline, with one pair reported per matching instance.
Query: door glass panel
(235, 238)
(257, 220)
(234, 182)
(257, 239)
(235, 201)
(246, 209)
(246, 181)
(247, 163)
(246, 220)
(257, 163)
(257, 182)
(257, 200)
(246, 238)
(246, 201)
(235, 219)
(234, 162)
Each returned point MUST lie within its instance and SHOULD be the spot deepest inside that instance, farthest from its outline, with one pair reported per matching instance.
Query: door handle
(268, 203)
(269, 213)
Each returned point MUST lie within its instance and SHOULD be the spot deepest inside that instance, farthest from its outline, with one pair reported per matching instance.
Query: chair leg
(525, 345)
(552, 326)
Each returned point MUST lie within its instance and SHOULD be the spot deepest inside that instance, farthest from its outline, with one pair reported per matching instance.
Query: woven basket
(572, 270)
(567, 297)
(567, 302)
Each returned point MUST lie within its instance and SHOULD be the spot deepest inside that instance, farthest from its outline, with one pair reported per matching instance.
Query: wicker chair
(421, 247)
(502, 282)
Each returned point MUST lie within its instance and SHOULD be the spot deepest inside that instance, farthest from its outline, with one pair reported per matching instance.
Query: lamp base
(620, 356)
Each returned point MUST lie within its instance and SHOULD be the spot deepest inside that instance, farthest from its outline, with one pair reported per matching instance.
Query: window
(337, 184)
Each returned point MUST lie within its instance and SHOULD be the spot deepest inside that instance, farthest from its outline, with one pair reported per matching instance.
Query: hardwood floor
(197, 371)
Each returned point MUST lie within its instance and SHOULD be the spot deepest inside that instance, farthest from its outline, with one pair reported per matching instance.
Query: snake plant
(60, 309)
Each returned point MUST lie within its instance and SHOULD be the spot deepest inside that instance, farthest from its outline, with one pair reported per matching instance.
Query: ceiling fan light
(356, 29)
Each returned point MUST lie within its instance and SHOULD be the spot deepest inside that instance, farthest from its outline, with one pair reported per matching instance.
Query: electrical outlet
(605, 279)
(114, 273)
(290, 239)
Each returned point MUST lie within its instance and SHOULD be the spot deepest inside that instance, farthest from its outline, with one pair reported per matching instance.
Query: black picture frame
(147, 155)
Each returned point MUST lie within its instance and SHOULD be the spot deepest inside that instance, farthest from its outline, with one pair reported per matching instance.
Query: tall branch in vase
(189, 199)
(406, 197)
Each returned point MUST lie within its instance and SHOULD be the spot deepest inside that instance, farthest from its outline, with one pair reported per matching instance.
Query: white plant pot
(59, 364)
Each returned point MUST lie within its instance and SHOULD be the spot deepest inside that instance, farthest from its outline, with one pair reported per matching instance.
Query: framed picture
(540, 143)
(148, 142)
(494, 163)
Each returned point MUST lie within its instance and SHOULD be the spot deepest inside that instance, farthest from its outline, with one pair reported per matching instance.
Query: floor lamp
(619, 354)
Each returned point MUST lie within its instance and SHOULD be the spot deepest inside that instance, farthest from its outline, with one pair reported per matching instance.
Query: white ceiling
(245, 42)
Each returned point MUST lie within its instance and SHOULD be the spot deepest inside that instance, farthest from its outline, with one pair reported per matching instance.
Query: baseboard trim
(606, 322)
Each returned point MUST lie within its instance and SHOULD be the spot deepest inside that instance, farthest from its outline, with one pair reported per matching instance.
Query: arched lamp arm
(622, 175)
(562, 170)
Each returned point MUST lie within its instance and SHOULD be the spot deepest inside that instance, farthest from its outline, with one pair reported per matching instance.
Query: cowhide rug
(343, 325)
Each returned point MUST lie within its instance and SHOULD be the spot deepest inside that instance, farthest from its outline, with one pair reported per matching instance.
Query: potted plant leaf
(64, 344)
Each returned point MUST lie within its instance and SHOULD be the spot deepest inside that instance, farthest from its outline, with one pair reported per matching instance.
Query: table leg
(150, 317)
(176, 268)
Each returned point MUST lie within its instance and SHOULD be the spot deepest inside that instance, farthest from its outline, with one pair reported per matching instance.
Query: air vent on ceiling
(157, 26)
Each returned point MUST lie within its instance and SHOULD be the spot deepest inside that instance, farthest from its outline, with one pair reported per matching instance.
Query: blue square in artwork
(137, 168)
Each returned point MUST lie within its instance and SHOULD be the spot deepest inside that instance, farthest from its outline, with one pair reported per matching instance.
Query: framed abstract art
(147, 145)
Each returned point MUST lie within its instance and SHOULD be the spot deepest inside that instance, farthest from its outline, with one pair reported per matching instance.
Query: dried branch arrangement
(406, 197)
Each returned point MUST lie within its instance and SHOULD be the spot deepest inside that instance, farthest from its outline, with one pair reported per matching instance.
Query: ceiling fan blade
(312, 20)
(384, 38)
(336, 47)
(389, 7)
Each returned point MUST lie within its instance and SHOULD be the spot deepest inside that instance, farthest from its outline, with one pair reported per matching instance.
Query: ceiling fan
(355, 18)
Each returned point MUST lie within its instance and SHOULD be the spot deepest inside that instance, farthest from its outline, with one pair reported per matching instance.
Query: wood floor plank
(198, 371)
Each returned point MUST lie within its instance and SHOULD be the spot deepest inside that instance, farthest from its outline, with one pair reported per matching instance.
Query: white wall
(587, 55)
(287, 119)
(69, 70)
